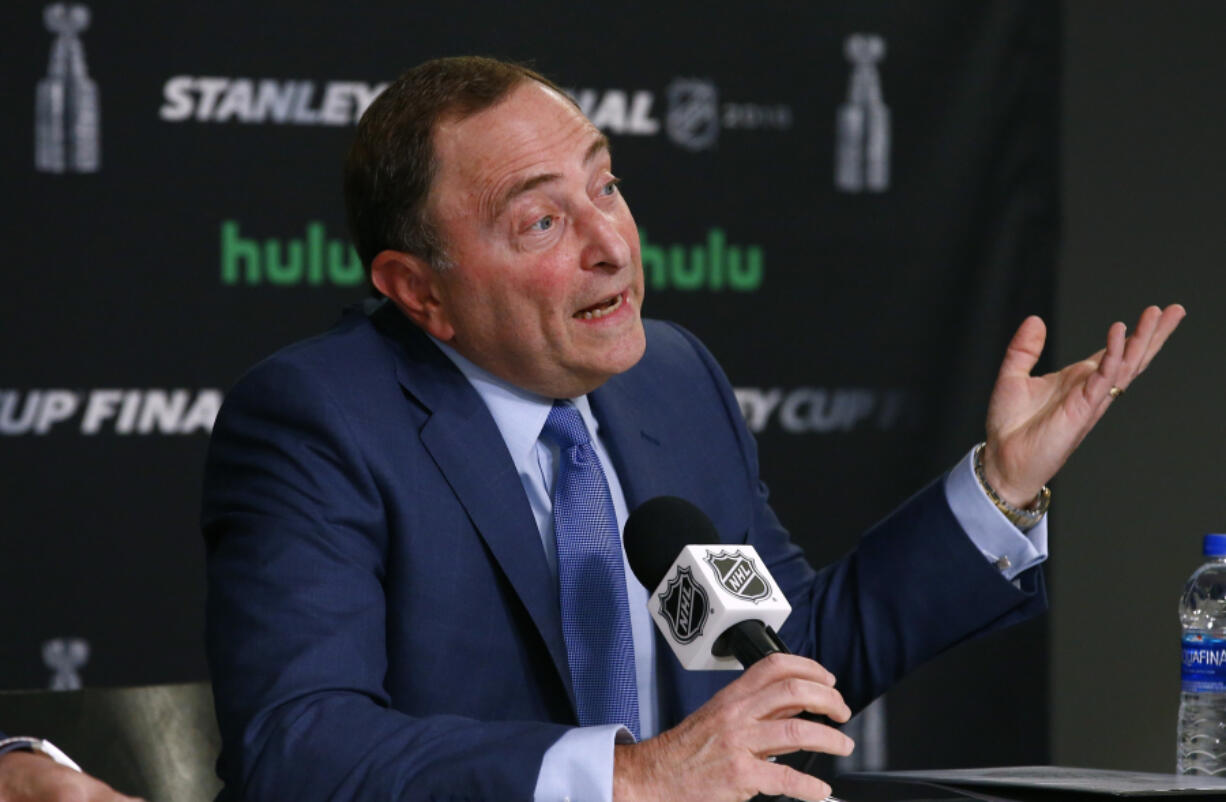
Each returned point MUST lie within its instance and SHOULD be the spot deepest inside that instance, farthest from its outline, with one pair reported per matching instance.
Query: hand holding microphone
(717, 607)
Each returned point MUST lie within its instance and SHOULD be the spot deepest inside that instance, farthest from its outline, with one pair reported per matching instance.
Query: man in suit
(390, 553)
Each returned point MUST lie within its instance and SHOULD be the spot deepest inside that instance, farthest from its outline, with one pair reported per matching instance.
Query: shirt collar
(519, 414)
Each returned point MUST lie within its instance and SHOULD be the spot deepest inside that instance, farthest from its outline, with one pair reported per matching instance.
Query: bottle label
(1204, 664)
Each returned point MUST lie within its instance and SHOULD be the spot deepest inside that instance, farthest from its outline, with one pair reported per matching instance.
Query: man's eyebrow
(519, 188)
(601, 143)
(598, 146)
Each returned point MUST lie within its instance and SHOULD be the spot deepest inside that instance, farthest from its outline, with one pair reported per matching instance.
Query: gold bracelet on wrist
(1023, 519)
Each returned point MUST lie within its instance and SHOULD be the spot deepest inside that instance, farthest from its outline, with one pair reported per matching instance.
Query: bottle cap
(1215, 545)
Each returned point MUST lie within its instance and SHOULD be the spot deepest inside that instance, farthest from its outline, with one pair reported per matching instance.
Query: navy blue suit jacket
(381, 619)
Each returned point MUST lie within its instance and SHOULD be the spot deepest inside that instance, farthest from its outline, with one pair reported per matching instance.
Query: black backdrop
(861, 325)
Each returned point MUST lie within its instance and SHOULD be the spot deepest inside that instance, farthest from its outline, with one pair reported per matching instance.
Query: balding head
(392, 162)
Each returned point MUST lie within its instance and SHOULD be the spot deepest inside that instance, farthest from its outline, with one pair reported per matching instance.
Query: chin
(628, 352)
(617, 360)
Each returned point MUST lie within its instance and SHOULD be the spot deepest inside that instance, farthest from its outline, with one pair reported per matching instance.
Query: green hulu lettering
(745, 277)
(235, 252)
(346, 271)
(315, 253)
(314, 259)
(686, 276)
(277, 271)
(715, 247)
(712, 265)
(652, 257)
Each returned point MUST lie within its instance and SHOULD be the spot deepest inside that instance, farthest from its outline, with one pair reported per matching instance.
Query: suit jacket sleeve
(296, 542)
(914, 585)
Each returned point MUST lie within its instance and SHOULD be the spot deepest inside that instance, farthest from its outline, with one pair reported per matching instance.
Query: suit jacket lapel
(647, 467)
(643, 462)
(634, 445)
(465, 443)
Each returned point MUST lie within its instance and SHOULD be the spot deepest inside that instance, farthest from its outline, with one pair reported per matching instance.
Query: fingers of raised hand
(1153, 328)
(1137, 346)
(1166, 324)
(1099, 383)
(1025, 347)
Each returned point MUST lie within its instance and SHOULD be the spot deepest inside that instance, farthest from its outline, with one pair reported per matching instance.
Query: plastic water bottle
(1201, 743)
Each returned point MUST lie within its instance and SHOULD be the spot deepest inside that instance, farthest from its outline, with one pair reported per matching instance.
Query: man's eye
(611, 187)
(544, 224)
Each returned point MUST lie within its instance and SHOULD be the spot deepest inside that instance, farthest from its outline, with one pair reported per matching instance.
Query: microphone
(716, 604)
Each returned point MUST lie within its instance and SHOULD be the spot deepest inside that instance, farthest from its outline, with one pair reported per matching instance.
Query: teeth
(596, 314)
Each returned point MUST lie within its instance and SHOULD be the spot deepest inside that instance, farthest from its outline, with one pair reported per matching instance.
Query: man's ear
(412, 285)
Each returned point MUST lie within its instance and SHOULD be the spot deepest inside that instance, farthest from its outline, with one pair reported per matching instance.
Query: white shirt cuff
(579, 766)
(1001, 543)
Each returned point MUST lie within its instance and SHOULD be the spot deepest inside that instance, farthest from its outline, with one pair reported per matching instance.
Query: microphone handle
(749, 642)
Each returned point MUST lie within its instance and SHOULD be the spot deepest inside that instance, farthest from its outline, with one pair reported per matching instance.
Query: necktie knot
(564, 426)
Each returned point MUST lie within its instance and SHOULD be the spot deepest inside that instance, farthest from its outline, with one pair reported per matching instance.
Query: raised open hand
(1036, 422)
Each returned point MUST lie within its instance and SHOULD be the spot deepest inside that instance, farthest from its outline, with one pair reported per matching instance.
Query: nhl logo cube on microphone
(707, 590)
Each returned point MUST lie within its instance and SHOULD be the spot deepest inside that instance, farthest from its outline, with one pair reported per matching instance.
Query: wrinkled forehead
(534, 128)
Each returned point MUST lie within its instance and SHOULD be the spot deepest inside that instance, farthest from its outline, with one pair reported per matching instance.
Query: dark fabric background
(875, 320)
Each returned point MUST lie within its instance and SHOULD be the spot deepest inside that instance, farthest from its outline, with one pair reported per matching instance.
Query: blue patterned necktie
(591, 579)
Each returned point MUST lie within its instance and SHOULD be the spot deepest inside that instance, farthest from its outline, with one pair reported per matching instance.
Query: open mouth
(599, 310)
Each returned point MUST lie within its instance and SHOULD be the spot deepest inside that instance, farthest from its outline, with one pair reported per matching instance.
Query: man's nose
(604, 248)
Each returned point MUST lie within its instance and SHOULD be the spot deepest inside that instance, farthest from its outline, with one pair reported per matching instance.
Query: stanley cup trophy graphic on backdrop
(65, 657)
(862, 164)
(862, 147)
(66, 114)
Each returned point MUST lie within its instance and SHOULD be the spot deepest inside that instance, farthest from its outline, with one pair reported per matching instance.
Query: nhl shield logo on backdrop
(684, 606)
(693, 113)
(739, 575)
